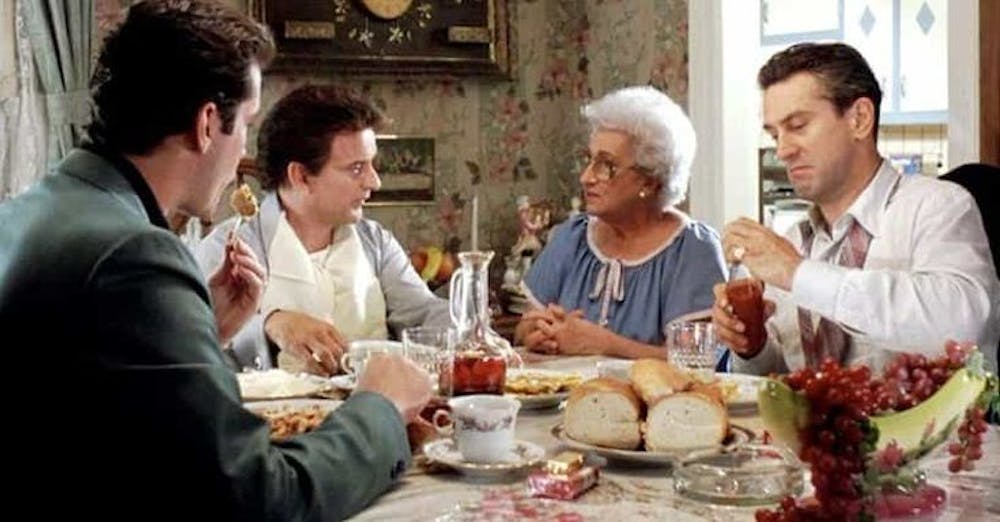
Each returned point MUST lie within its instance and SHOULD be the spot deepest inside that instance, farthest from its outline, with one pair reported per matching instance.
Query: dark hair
(840, 69)
(160, 66)
(301, 125)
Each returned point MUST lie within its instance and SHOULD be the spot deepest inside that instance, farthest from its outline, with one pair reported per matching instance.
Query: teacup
(354, 360)
(483, 426)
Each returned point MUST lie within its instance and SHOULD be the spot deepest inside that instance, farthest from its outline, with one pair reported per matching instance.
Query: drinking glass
(433, 349)
(691, 346)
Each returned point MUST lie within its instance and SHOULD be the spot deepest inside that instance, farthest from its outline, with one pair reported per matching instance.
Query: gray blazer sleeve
(190, 408)
(408, 301)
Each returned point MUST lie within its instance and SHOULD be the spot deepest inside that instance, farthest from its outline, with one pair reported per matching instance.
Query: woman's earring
(642, 194)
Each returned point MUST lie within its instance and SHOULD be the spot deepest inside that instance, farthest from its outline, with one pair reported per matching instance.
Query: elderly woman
(613, 277)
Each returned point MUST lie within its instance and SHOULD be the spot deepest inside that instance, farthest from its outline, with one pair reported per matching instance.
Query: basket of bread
(658, 415)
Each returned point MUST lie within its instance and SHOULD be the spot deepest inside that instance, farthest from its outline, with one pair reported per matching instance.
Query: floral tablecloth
(631, 493)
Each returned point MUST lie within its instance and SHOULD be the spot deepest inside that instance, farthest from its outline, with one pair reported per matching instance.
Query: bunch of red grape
(910, 378)
(840, 400)
(970, 441)
(838, 436)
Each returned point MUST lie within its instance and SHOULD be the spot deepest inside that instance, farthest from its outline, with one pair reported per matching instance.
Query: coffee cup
(354, 359)
(482, 426)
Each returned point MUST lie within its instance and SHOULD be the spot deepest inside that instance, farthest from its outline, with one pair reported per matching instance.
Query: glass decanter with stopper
(482, 356)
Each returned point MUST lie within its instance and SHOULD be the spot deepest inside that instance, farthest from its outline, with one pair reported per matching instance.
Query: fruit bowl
(863, 435)
(434, 265)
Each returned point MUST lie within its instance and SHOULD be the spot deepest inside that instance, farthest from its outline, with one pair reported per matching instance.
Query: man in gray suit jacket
(136, 415)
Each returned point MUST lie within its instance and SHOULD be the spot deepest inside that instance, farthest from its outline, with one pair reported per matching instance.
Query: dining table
(633, 492)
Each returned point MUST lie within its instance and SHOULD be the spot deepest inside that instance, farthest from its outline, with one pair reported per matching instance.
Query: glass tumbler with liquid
(746, 296)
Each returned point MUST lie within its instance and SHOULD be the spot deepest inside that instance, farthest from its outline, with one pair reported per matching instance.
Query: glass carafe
(481, 355)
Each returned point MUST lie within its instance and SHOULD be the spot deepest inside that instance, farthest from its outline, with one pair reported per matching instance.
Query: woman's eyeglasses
(605, 170)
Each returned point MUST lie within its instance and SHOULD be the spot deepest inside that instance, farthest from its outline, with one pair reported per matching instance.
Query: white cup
(354, 359)
(483, 426)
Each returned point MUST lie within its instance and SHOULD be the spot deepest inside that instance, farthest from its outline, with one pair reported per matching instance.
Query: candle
(475, 222)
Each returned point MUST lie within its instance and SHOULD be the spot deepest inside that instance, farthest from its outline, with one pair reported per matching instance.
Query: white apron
(336, 285)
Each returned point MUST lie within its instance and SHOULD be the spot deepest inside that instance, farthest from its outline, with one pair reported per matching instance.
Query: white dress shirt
(928, 277)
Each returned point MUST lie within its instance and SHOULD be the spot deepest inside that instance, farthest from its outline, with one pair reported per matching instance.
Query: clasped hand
(553, 330)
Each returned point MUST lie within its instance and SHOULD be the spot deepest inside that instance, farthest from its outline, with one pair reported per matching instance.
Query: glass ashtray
(742, 475)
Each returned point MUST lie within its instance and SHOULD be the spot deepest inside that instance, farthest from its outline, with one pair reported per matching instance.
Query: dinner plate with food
(741, 389)
(279, 384)
(291, 417)
(658, 416)
(537, 388)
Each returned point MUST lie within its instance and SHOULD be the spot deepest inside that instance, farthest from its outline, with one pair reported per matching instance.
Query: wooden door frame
(989, 82)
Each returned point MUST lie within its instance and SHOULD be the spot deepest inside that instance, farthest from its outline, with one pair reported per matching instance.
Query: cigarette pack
(564, 477)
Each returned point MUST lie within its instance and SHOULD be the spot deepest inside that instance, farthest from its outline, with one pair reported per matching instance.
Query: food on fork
(243, 201)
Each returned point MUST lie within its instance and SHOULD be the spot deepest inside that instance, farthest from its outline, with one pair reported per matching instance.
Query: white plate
(746, 389)
(540, 400)
(259, 407)
(279, 384)
(346, 381)
(737, 435)
(525, 455)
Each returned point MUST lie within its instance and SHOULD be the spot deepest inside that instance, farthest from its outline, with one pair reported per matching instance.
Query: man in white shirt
(884, 263)
(333, 276)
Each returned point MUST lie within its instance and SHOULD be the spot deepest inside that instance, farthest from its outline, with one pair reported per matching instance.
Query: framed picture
(448, 37)
(406, 166)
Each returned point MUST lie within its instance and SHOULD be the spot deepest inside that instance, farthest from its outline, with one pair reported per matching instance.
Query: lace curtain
(22, 131)
(46, 118)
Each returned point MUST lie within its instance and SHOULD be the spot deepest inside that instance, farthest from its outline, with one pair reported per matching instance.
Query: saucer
(525, 455)
(346, 381)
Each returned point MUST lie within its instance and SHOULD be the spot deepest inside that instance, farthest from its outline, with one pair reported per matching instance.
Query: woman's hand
(574, 335)
(236, 288)
(317, 343)
(529, 334)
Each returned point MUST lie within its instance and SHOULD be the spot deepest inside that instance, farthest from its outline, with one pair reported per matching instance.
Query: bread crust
(656, 378)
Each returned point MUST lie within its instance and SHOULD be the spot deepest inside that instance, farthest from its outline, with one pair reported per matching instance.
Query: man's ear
(203, 129)
(862, 118)
(297, 175)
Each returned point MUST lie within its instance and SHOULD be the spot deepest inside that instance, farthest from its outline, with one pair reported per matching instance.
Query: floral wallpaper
(502, 139)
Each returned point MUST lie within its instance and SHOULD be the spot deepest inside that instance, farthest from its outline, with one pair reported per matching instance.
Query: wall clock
(387, 9)
(453, 37)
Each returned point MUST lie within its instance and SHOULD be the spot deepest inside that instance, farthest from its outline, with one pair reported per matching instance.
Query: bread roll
(684, 420)
(656, 378)
(604, 412)
(712, 390)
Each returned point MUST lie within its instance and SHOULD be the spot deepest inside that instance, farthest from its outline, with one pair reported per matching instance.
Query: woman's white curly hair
(662, 135)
